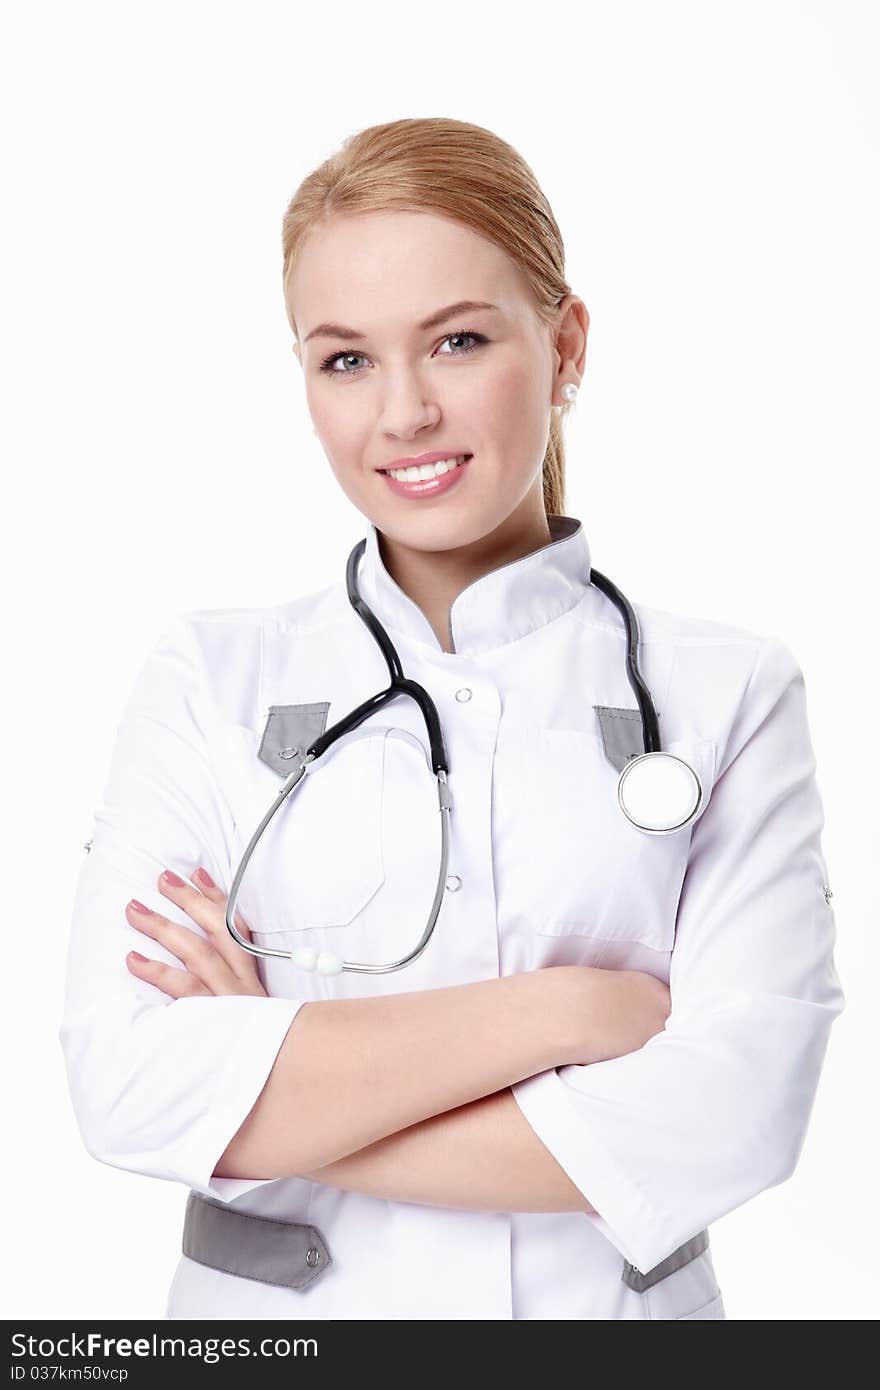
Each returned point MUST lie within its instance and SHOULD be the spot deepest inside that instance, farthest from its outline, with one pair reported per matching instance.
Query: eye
(328, 365)
(477, 337)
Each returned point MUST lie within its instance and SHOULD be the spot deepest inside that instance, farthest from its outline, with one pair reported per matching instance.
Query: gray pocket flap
(621, 733)
(289, 731)
(677, 1260)
(290, 1253)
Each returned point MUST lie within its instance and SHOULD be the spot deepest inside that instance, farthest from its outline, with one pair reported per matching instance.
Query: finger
(196, 952)
(180, 984)
(242, 963)
(219, 898)
(207, 907)
(186, 896)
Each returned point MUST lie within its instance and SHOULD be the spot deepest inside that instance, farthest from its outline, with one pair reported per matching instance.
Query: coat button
(311, 1256)
(463, 694)
(453, 883)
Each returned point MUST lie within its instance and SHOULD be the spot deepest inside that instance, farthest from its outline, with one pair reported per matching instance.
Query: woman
(612, 1038)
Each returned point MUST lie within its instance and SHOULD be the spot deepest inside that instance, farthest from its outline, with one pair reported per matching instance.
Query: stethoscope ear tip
(317, 962)
(659, 793)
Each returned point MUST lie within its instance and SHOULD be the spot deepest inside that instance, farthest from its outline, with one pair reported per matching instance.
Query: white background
(714, 170)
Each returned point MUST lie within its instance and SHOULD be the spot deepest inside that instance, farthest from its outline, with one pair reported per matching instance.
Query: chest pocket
(319, 861)
(573, 865)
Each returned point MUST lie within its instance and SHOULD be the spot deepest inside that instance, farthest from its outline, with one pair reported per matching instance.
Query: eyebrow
(338, 330)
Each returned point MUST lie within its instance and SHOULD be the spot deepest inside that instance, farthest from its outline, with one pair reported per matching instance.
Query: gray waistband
(253, 1247)
(682, 1256)
(294, 1254)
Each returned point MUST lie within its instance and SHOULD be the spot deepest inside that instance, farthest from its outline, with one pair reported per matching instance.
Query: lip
(434, 457)
(428, 487)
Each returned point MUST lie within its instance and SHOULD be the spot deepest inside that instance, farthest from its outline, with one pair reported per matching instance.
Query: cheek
(341, 433)
(332, 425)
(516, 409)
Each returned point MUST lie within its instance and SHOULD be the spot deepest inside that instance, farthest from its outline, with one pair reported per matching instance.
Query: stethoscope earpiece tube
(657, 791)
(399, 683)
(288, 786)
(650, 726)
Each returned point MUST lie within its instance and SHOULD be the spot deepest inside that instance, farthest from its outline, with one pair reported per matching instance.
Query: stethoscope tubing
(360, 967)
(401, 685)
(650, 725)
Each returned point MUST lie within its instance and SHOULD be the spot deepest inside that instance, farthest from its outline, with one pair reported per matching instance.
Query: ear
(570, 343)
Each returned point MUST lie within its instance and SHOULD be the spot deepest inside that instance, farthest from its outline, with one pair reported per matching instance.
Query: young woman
(612, 1037)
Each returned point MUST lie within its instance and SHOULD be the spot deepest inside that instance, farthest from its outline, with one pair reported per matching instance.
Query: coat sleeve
(715, 1108)
(160, 1086)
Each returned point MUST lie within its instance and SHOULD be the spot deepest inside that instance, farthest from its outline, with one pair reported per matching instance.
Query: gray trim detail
(621, 733)
(263, 1248)
(682, 1256)
(290, 729)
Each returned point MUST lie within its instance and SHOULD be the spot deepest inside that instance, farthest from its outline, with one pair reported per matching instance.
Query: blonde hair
(455, 170)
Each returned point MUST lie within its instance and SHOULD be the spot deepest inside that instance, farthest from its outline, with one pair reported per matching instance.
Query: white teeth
(416, 473)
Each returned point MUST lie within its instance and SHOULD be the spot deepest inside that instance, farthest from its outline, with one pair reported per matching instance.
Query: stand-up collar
(499, 607)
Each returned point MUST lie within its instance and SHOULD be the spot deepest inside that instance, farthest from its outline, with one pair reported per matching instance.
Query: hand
(621, 1010)
(217, 965)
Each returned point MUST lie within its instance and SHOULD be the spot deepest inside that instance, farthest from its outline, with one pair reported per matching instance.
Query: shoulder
(709, 642)
(682, 629)
(697, 639)
(708, 674)
(732, 680)
(214, 630)
(224, 651)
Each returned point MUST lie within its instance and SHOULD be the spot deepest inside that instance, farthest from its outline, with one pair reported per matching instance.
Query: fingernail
(136, 955)
(138, 907)
(173, 879)
(206, 879)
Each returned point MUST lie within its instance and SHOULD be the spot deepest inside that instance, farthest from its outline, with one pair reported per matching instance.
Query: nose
(408, 408)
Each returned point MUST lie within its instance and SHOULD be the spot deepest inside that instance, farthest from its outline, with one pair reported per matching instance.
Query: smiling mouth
(413, 474)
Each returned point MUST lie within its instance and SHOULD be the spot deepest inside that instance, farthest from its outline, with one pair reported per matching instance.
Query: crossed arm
(419, 1108)
(481, 1155)
(419, 1083)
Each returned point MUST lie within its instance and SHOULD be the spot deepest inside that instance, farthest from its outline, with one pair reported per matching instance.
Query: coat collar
(498, 608)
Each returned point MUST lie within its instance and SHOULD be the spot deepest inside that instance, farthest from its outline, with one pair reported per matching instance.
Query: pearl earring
(570, 391)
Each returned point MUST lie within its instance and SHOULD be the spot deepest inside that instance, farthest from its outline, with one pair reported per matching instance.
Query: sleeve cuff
(238, 1088)
(623, 1215)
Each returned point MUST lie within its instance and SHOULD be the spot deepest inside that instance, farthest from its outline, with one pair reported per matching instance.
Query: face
(481, 382)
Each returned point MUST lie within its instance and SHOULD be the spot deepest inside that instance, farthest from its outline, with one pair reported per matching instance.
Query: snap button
(453, 883)
(463, 694)
(288, 752)
(311, 1256)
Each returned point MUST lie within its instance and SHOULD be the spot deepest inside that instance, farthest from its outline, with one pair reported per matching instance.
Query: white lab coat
(543, 870)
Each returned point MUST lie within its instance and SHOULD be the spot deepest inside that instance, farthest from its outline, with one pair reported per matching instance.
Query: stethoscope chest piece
(659, 792)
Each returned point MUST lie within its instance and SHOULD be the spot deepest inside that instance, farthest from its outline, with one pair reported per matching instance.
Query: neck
(433, 579)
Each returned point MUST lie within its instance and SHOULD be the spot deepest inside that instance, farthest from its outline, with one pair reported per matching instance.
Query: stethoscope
(658, 792)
